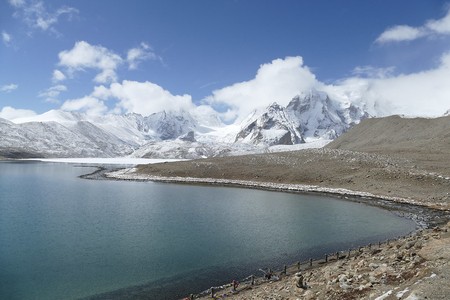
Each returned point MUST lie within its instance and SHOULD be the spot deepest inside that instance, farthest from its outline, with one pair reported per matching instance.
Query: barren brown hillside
(422, 140)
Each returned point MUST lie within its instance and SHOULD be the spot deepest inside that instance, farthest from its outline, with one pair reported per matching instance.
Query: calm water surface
(62, 237)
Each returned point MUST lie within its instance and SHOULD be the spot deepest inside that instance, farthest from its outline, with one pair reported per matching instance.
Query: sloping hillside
(395, 157)
(423, 142)
(397, 135)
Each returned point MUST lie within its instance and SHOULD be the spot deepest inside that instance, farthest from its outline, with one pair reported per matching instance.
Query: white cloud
(6, 38)
(425, 93)
(90, 105)
(8, 87)
(51, 94)
(402, 33)
(58, 76)
(11, 113)
(17, 3)
(147, 98)
(278, 81)
(101, 92)
(36, 15)
(131, 96)
(441, 26)
(372, 72)
(85, 56)
(139, 54)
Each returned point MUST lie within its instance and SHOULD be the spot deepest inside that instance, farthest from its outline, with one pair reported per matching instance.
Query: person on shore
(235, 285)
(269, 274)
(299, 280)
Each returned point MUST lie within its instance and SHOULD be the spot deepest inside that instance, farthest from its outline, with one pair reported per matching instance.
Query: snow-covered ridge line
(130, 174)
(184, 134)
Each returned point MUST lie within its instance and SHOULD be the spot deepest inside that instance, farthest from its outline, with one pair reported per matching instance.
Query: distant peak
(274, 105)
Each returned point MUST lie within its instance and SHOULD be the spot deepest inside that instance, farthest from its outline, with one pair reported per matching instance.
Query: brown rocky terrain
(380, 174)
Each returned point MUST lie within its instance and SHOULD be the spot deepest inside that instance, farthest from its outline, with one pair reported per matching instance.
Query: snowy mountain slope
(170, 125)
(309, 117)
(272, 127)
(52, 139)
(185, 149)
(68, 134)
(316, 115)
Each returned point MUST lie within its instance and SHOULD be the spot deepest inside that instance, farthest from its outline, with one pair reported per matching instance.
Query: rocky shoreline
(423, 215)
(413, 267)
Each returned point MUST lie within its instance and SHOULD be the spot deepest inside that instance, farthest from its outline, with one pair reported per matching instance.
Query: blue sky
(144, 56)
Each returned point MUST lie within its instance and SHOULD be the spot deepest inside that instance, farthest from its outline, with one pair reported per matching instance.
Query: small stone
(373, 265)
(409, 245)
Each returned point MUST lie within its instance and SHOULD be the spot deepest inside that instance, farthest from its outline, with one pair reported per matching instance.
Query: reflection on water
(62, 237)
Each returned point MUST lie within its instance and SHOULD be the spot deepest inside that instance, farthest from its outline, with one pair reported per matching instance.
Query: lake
(63, 237)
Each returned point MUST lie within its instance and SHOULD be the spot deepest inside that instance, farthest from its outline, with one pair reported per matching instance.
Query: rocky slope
(272, 127)
(420, 140)
(397, 135)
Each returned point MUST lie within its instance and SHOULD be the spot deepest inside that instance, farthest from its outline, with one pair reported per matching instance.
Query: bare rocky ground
(380, 174)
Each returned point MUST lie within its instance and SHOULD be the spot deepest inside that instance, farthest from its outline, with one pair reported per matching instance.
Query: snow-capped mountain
(177, 134)
(69, 134)
(311, 115)
(52, 139)
(171, 125)
(273, 127)
(317, 116)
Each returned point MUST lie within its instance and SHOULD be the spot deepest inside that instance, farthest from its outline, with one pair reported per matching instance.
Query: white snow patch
(384, 296)
(106, 161)
(401, 293)
(310, 144)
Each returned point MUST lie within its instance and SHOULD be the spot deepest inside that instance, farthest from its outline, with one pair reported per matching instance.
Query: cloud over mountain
(280, 80)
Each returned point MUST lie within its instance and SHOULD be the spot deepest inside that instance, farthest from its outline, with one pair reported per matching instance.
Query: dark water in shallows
(62, 237)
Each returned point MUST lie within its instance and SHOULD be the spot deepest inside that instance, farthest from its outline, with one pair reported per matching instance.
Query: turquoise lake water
(62, 237)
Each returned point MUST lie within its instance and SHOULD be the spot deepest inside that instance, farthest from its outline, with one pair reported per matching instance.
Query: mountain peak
(311, 114)
(272, 127)
(170, 124)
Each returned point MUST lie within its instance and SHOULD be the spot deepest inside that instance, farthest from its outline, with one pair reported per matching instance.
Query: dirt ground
(405, 175)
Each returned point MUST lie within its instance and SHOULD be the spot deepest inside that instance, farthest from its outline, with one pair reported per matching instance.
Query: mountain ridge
(308, 117)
